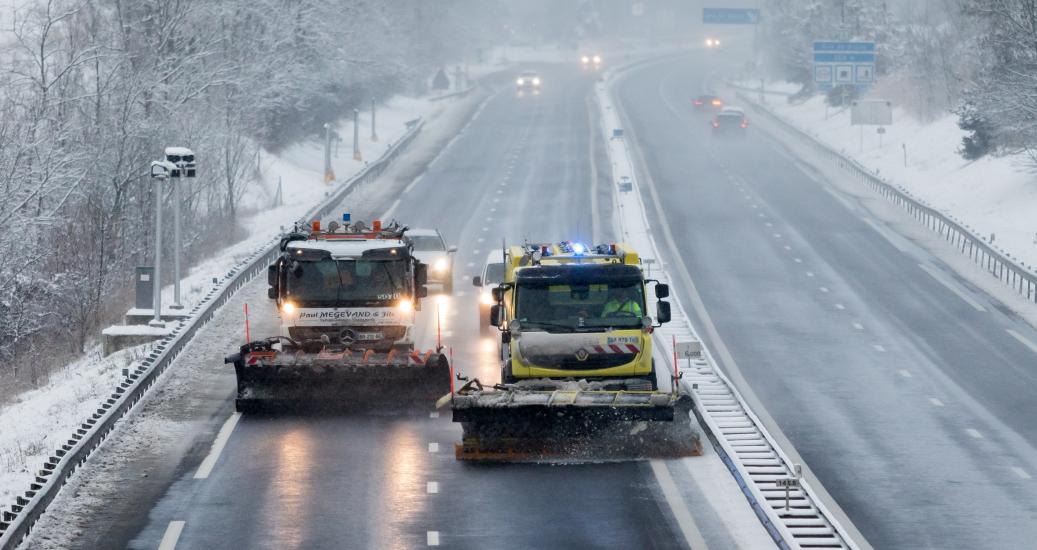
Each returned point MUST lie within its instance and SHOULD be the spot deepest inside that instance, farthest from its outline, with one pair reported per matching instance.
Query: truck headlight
(440, 265)
(486, 298)
(585, 60)
(597, 59)
(405, 305)
(520, 82)
(288, 308)
(536, 81)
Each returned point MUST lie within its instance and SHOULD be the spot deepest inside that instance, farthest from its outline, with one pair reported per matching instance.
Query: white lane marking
(840, 306)
(754, 206)
(787, 247)
(810, 273)
(172, 535)
(936, 402)
(974, 433)
(471, 264)
(461, 293)
(496, 199)
(433, 414)
(479, 240)
(777, 235)
(768, 224)
(493, 209)
(680, 510)
(448, 334)
(893, 238)
(485, 228)
(798, 260)
(432, 538)
(388, 213)
(1020, 472)
(858, 326)
(824, 289)
(906, 373)
(761, 215)
(879, 348)
(952, 287)
(1024, 340)
(433, 447)
(432, 487)
(217, 447)
(475, 252)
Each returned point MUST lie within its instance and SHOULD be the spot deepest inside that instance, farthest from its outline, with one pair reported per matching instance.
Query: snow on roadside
(995, 196)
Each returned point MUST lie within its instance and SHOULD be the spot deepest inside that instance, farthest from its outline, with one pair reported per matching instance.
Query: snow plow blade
(269, 381)
(516, 424)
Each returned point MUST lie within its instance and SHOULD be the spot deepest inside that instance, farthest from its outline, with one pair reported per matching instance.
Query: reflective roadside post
(356, 135)
(183, 163)
(160, 170)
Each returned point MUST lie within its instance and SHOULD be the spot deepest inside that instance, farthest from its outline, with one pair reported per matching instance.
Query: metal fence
(16, 523)
(995, 261)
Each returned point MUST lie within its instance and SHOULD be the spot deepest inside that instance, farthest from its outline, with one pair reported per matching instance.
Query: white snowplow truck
(346, 297)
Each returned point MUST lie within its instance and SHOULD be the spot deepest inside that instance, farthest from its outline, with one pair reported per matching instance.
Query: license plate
(369, 336)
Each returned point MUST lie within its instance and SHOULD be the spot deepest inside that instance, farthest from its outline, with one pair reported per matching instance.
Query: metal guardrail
(995, 261)
(462, 93)
(59, 467)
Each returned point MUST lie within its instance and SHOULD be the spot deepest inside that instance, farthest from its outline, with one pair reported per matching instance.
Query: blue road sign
(731, 16)
(844, 63)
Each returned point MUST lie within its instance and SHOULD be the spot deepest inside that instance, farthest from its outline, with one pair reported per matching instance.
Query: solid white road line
(388, 213)
(217, 447)
(974, 433)
(432, 487)
(1022, 339)
(936, 402)
(906, 373)
(432, 538)
(952, 287)
(171, 536)
(433, 447)
(680, 510)
(1020, 472)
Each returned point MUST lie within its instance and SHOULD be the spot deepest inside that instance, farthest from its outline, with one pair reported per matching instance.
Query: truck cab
(570, 311)
(351, 285)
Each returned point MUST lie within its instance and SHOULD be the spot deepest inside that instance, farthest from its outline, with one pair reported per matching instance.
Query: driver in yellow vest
(624, 300)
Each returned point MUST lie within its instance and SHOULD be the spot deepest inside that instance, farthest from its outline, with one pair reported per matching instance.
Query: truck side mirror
(452, 249)
(498, 294)
(477, 281)
(271, 293)
(271, 275)
(421, 274)
(422, 292)
(662, 312)
(662, 290)
(495, 315)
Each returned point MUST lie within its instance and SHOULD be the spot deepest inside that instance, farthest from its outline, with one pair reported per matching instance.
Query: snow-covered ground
(37, 421)
(993, 195)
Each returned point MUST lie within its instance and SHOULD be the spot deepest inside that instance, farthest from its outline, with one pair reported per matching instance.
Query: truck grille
(570, 362)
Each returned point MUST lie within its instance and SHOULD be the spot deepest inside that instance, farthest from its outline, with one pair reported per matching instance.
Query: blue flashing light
(345, 216)
(577, 249)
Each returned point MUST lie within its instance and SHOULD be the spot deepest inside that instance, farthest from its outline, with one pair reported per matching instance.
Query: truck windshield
(590, 307)
(344, 283)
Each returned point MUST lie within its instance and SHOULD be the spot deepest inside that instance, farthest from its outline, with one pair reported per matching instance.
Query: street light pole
(356, 135)
(160, 171)
(180, 164)
(176, 247)
(329, 172)
(374, 131)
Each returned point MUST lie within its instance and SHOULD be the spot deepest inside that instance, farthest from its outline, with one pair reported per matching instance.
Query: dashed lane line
(840, 307)
(680, 510)
(906, 373)
(1022, 339)
(172, 535)
(432, 487)
(879, 348)
(433, 447)
(936, 402)
(217, 447)
(974, 433)
(858, 326)
(1020, 472)
(432, 538)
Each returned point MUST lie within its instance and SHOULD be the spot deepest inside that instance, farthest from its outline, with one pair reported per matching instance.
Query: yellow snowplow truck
(577, 375)
(346, 296)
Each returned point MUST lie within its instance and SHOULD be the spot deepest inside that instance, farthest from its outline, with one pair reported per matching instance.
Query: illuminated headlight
(440, 265)
(585, 60)
(709, 42)
(597, 59)
(520, 82)
(405, 305)
(288, 308)
(536, 81)
(486, 298)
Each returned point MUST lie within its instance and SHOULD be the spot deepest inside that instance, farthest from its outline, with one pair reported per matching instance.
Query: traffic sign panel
(731, 16)
(843, 63)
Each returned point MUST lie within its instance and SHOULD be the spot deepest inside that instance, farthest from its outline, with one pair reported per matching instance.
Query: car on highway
(590, 61)
(712, 42)
(431, 249)
(707, 103)
(730, 121)
(528, 81)
(492, 275)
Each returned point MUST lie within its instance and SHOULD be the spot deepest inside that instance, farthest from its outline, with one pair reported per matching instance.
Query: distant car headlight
(440, 265)
(520, 82)
(486, 298)
(597, 59)
(405, 306)
(585, 60)
(536, 81)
